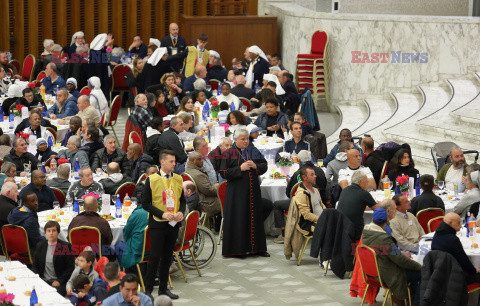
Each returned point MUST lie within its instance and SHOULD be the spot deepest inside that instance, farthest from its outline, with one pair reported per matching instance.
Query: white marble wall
(452, 44)
(406, 7)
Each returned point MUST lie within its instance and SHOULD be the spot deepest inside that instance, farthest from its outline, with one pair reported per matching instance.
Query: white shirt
(453, 176)
(346, 174)
(229, 99)
(315, 196)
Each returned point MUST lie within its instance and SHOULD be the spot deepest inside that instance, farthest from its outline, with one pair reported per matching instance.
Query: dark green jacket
(443, 172)
(133, 237)
(391, 263)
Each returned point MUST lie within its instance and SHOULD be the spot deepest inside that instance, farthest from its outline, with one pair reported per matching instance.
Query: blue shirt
(69, 108)
(51, 87)
(117, 299)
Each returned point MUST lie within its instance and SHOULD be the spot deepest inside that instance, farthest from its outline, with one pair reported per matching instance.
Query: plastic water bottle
(418, 190)
(43, 168)
(50, 142)
(39, 166)
(77, 167)
(118, 208)
(44, 111)
(1, 114)
(471, 225)
(56, 91)
(42, 91)
(127, 201)
(53, 164)
(257, 88)
(397, 189)
(76, 208)
(11, 120)
(33, 297)
(219, 90)
(232, 107)
(205, 111)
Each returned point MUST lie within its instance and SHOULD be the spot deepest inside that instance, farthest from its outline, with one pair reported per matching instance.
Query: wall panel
(24, 24)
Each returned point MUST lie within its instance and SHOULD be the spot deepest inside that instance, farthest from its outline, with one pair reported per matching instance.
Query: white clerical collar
(165, 174)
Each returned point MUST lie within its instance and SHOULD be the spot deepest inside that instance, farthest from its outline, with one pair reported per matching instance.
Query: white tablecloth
(26, 280)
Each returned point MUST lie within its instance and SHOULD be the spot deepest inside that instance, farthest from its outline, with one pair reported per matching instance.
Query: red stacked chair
(313, 69)
(16, 64)
(222, 189)
(124, 189)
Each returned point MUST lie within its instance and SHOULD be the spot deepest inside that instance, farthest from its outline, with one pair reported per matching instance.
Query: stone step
(407, 105)
(351, 117)
(381, 111)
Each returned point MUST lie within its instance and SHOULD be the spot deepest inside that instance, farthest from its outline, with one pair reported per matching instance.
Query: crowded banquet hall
(241, 152)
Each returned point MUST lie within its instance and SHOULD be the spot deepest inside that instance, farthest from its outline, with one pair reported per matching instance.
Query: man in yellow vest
(164, 200)
(196, 54)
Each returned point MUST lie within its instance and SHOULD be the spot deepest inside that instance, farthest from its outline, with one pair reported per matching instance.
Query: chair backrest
(28, 67)
(247, 103)
(60, 195)
(83, 236)
(368, 261)
(134, 137)
(434, 223)
(147, 245)
(294, 190)
(119, 83)
(15, 63)
(53, 132)
(142, 178)
(41, 75)
(114, 111)
(191, 224)
(85, 91)
(214, 84)
(383, 173)
(222, 190)
(15, 240)
(426, 215)
(319, 41)
(440, 151)
(134, 91)
(128, 187)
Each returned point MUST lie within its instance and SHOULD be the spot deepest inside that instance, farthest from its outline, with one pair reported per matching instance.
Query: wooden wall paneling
(188, 7)
(61, 32)
(145, 20)
(89, 16)
(202, 8)
(117, 23)
(174, 8)
(46, 24)
(74, 21)
(252, 7)
(32, 34)
(4, 25)
(19, 31)
(102, 16)
(132, 30)
(159, 19)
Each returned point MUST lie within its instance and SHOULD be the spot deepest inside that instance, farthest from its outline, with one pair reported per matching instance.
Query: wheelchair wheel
(204, 249)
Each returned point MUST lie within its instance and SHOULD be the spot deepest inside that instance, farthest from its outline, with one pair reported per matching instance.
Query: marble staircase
(352, 116)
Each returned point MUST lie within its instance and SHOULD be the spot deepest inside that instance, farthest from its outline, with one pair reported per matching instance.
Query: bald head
(113, 167)
(453, 220)
(133, 151)
(353, 158)
(367, 144)
(151, 170)
(90, 204)
(173, 29)
(457, 158)
(194, 155)
(240, 79)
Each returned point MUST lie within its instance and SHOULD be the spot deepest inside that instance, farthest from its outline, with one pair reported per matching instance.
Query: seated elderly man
(36, 128)
(74, 153)
(215, 155)
(354, 164)
(200, 73)
(8, 170)
(340, 162)
(20, 157)
(84, 186)
(140, 116)
(26, 217)
(114, 180)
(139, 162)
(206, 190)
(44, 194)
(472, 182)
(453, 172)
(296, 144)
(111, 153)
(26, 122)
(53, 80)
(31, 100)
(65, 106)
(201, 146)
(399, 272)
(446, 240)
(405, 227)
(75, 126)
(86, 110)
(240, 90)
(61, 181)
(8, 201)
(90, 217)
(354, 199)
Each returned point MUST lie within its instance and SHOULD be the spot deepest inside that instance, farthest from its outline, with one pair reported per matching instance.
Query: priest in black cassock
(243, 232)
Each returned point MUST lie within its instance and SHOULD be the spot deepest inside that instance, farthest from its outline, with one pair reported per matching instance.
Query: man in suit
(240, 90)
(175, 44)
(200, 73)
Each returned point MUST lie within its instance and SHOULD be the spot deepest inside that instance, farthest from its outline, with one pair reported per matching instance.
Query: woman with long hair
(236, 120)
(187, 107)
(402, 164)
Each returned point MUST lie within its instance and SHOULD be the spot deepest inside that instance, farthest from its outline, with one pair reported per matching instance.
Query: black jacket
(215, 157)
(334, 235)
(243, 92)
(375, 161)
(20, 160)
(37, 102)
(63, 260)
(291, 147)
(151, 147)
(170, 140)
(426, 200)
(110, 187)
(218, 73)
(320, 183)
(91, 148)
(291, 98)
(119, 156)
(26, 123)
(139, 166)
(392, 174)
(6, 206)
(443, 281)
(445, 239)
(260, 68)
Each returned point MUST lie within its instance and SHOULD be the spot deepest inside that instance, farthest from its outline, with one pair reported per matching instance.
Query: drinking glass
(69, 203)
(320, 162)
(104, 167)
(441, 185)
(56, 205)
(134, 201)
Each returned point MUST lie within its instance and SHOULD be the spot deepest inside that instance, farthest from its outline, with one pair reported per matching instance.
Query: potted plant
(284, 163)
(402, 183)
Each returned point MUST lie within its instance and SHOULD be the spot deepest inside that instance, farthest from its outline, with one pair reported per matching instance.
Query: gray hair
(200, 84)
(47, 42)
(108, 137)
(63, 171)
(175, 120)
(76, 140)
(388, 204)
(117, 51)
(137, 98)
(80, 172)
(64, 90)
(8, 186)
(357, 176)
(304, 156)
(241, 132)
(275, 70)
(6, 166)
(473, 167)
(56, 48)
(224, 140)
